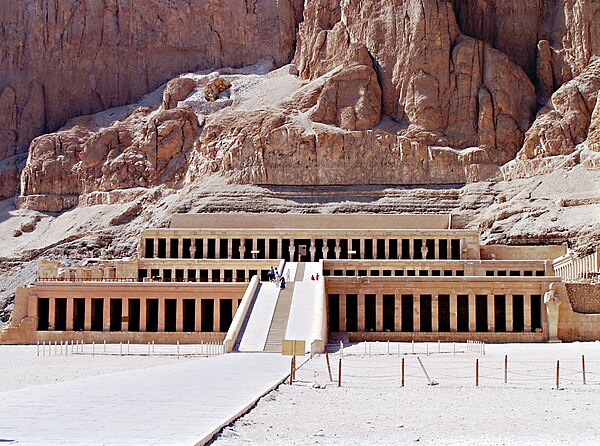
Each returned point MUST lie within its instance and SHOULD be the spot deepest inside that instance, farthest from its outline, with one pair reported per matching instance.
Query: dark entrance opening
(189, 315)
(60, 314)
(187, 248)
(170, 314)
(389, 312)
(302, 253)
(380, 248)
(241, 275)
(368, 254)
(456, 255)
(518, 313)
(226, 311)
(207, 311)
(430, 244)
(203, 275)
(235, 248)
(285, 247)
(273, 254)
(162, 248)
(443, 247)
(333, 312)
(223, 248)
(134, 315)
(152, 315)
(331, 249)
(318, 249)
(351, 312)
(216, 275)
(481, 313)
(248, 248)
(97, 314)
(199, 246)
(356, 248)
(116, 314)
(43, 310)
(191, 275)
(228, 275)
(174, 248)
(393, 249)
(211, 248)
(500, 313)
(444, 313)
(142, 274)
(462, 313)
(179, 273)
(405, 248)
(425, 304)
(536, 312)
(417, 253)
(407, 312)
(78, 314)
(370, 315)
(149, 250)
(344, 250)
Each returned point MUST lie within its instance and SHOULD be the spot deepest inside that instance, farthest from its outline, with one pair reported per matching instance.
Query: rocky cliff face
(379, 92)
(62, 59)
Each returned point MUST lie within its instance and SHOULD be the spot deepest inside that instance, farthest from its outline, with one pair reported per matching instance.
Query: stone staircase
(282, 314)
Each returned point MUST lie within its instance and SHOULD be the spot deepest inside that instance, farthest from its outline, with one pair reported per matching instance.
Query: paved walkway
(181, 404)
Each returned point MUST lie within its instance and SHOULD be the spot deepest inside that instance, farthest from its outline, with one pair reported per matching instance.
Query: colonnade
(310, 249)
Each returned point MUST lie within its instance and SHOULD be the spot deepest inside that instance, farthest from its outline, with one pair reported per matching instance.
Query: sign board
(293, 348)
(302, 250)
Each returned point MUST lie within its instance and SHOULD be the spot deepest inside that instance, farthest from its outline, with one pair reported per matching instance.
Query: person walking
(282, 283)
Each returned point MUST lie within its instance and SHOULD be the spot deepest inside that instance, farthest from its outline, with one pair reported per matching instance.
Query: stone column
(193, 248)
(205, 248)
(416, 313)
(242, 248)
(435, 313)
(280, 248)
(155, 248)
(70, 304)
(325, 249)
(411, 248)
(87, 324)
(292, 251)
(449, 248)
(397, 312)
(217, 316)
(338, 249)
(527, 313)
(143, 314)
(379, 312)
(552, 303)
(361, 312)
(387, 248)
(198, 315)
(375, 251)
(106, 314)
(51, 313)
(436, 248)
(312, 250)
(342, 312)
(472, 313)
(229, 248)
(180, 248)
(179, 316)
(453, 312)
(491, 313)
(161, 314)
(509, 313)
(217, 247)
(361, 244)
(125, 314)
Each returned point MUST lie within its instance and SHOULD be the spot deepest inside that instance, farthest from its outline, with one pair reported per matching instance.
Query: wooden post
(505, 368)
(402, 372)
(583, 368)
(328, 366)
(292, 371)
(477, 372)
(177, 349)
(340, 373)
(38, 348)
(557, 373)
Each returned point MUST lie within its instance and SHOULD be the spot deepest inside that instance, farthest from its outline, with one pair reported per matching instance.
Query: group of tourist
(274, 276)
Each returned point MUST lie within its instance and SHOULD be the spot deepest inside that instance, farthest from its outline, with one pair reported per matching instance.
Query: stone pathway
(181, 404)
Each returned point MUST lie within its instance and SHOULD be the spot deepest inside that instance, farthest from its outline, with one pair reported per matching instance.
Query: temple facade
(361, 277)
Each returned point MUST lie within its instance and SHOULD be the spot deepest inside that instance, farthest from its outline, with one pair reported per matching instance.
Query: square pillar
(472, 313)
(155, 248)
(70, 304)
(325, 249)
(312, 250)
(416, 313)
(453, 312)
(387, 248)
(434, 313)
(374, 251)
(217, 247)
(379, 312)
(205, 248)
(280, 247)
(342, 312)
(527, 312)
(179, 316)
(361, 244)
(411, 248)
(338, 249)
(51, 313)
(230, 248)
(125, 314)
(509, 313)
(217, 316)
(491, 322)
(161, 314)
(436, 248)
(87, 324)
(361, 312)
(143, 314)
(449, 248)
(198, 315)
(397, 312)
(106, 314)
(180, 248)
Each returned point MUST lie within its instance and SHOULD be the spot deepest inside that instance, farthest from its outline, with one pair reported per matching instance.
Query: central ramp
(259, 320)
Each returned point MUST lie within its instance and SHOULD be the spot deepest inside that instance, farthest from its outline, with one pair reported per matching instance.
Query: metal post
(505, 369)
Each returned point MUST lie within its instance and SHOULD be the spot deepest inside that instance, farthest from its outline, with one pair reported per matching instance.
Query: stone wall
(584, 298)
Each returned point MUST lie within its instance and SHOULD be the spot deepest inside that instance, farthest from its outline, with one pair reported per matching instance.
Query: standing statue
(552, 302)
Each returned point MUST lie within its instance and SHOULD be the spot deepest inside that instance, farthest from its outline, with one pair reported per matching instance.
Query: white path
(182, 404)
(259, 320)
